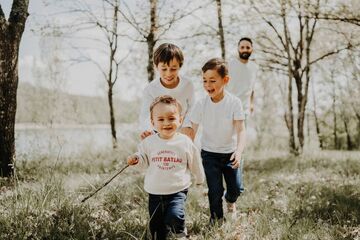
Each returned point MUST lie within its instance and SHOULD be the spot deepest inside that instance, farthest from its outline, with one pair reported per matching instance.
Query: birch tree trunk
(221, 28)
(151, 39)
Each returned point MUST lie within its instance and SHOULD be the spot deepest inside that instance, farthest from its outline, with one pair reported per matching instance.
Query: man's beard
(244, 55)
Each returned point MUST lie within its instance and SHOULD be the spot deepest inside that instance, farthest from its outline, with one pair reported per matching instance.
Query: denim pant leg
(213, 172)
(156, 211)
(175, 213)
(233, 180)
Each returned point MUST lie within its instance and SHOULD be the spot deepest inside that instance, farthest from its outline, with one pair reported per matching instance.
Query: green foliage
(315, 196)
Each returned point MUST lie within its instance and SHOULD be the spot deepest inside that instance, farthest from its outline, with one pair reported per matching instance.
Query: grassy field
(316, 196)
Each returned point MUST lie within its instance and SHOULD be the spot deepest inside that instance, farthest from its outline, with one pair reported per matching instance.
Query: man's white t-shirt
(242, 80)
(184, 92)
(217, 120)
(169, 163)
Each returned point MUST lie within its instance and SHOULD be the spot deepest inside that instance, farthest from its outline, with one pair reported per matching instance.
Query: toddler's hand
(132, 160)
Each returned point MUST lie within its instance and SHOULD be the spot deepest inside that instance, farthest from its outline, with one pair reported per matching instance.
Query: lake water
(34, 141)
(40, 141)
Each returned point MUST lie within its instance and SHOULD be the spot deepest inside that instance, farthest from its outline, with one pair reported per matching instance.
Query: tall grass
(316, 196)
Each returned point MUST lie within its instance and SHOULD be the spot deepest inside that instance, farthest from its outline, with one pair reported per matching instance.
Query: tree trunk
(358, 130)
(289, 116)
(112, 117)
(301, 110)
(113, 72)
(221, 29)
(358, 134)
(10, 35)
(8, 89)
(317, 124)
(334, 120)
(348, 136)
(151, 39)
(308, 126)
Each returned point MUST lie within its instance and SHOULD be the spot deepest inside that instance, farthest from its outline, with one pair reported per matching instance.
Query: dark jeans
(217, 165)
(167, 214)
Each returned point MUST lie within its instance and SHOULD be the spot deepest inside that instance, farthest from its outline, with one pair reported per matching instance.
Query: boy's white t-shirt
(184, 92)
(242, 80)
(219, 134)
(169, 163)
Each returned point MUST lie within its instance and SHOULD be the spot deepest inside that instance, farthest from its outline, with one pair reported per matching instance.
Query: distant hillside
(42, 105)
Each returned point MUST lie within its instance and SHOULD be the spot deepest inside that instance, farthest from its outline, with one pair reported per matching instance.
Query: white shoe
(231, 207)
(182, 236)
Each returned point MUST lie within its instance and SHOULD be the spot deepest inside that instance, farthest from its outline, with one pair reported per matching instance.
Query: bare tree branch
(332, 53)
(352, 20)
(177, 18)
(132, 21)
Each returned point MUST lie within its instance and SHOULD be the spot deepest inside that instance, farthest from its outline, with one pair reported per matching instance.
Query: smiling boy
(223, 138)
(168, 60)
(170, 158)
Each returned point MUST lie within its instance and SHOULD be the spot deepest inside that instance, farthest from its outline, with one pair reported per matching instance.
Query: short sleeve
(142, 154)
(189, 106)
(238, 110)
(196, 113)
(253, 82)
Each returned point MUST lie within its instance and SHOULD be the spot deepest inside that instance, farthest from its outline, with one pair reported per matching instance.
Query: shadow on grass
(335, 206)
(271, 165)
(342, 167)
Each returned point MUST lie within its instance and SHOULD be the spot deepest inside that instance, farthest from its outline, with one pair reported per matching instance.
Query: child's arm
(241, 140)
(140, 157)
(190, 102)
(188, 131)
(186, 125)
(194, 128)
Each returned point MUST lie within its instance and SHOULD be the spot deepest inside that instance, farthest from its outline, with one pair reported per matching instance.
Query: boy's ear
(226, 79)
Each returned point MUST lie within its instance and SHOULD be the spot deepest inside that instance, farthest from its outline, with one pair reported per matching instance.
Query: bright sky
(82, 79)
(85, 78)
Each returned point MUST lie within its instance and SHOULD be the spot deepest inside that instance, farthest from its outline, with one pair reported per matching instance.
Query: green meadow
(315, 196)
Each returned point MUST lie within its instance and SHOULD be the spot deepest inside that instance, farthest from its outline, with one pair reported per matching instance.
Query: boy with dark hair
(223, 138)
(168, 60)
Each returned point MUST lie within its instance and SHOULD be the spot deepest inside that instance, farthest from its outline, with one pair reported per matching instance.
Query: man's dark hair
(217, 64)
(245, 39)
(167, 52)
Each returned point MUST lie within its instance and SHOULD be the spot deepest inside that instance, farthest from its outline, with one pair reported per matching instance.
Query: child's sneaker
(231, 210)
(182, 236)
(231, 207)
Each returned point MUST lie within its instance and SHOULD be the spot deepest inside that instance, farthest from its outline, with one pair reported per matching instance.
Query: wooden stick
(106, 183)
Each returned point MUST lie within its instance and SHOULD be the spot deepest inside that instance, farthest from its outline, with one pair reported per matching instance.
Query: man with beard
(242, 73)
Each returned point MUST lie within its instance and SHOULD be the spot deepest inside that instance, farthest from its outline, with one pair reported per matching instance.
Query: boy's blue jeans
(217, 165)
(167, 214)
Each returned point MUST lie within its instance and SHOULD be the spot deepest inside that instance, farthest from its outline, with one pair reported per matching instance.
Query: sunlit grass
(315, 196)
